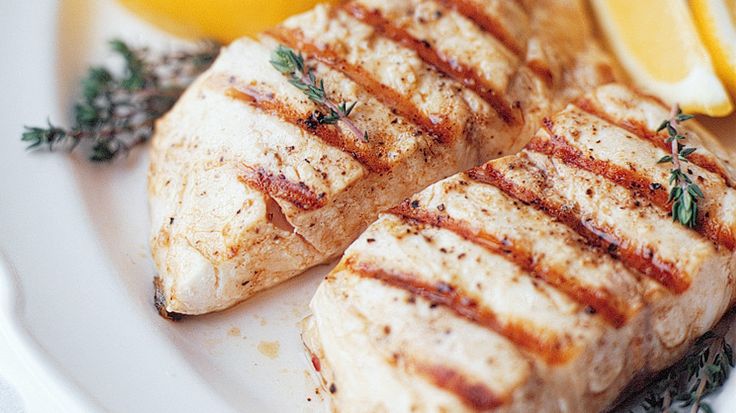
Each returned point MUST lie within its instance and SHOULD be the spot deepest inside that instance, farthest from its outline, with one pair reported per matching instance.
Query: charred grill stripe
(489, 24)
(643, 260)
(278, 186)
(605, 304)
(308, 122)
(473, 394)
(641, 131)
(552, 349)
(463, 74)
(559, 147)
(441, 130)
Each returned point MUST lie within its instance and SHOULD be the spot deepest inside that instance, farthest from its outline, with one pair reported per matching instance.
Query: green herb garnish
(684, 386)
(291, 64)
(116, 112)
(684, 194)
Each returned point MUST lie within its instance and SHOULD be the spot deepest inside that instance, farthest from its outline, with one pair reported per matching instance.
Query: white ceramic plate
(78, 331)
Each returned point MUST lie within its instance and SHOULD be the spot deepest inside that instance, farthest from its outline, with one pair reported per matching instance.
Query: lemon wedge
(716, 21)
(222, 20)
(657, 42)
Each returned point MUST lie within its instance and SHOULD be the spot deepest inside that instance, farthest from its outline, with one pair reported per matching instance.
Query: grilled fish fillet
(247, 189)
(544, 281)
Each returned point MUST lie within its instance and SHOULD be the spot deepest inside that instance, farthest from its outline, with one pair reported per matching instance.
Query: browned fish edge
(159, 301)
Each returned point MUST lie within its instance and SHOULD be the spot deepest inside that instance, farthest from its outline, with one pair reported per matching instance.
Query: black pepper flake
(244, 283)
(333, 388)
(441, 207)
(590, 310)
(171, 221)
(415, 204)
(369, 240)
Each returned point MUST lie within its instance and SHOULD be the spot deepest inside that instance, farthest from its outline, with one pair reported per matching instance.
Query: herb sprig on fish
(117, 111)
(291, 64)
(684, 194)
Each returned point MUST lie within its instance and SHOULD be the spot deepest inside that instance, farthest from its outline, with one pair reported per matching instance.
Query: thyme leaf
(684, 194)
(291, 64)
(684, 386)
(116, 112)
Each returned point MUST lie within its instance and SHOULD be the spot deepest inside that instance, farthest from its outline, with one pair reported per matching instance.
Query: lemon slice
(716, 21)
(223, 20)
(658, 44)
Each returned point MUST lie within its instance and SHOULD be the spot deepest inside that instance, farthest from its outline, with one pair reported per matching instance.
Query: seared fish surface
(248, 189)
(544, 281)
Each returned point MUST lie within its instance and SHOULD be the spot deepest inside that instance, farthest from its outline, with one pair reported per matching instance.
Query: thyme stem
(291, 64)
(117, 111)
(684, 194)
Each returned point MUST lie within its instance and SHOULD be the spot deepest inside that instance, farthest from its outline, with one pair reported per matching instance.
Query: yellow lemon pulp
(658, 44)
(716, 21)
(222, 20)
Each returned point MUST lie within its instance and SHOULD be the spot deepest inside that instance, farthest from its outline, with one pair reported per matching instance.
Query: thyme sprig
(684, 194)
(291, 64)
(117, 111)
(701, 373)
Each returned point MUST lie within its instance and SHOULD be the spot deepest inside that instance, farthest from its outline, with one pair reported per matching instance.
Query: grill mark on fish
(643, 260)
(552, 349)
(600, 299)
(278, 186)
(309, 123)
(489, 24)
(441, 129)
(473, 394)
(463, 74)
(559, 147)
(641, 131)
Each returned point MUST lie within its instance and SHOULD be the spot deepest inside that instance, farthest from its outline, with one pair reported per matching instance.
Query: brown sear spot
(444, 64)
(475, 395)
(278, 186)
(551, 348)
(665, 272)
(612, 310)
(159, 300)
(542, 70)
